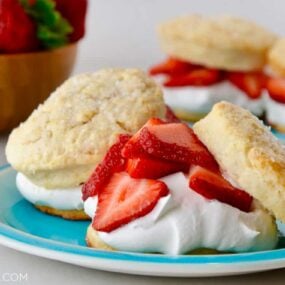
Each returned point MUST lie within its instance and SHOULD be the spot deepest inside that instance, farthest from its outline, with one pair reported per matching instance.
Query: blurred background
(40, 50)
(122, 33)
(117, 34)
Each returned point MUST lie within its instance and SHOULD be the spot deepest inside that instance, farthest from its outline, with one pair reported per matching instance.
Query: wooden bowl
(27, 79)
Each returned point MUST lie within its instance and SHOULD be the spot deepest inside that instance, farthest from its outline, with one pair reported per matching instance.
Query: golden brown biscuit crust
(247, 152)
(93, 240)
(66, 214)
(276, 58)
(62, 141)
(219, 42)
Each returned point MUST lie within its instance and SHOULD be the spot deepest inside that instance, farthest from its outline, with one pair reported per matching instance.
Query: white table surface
(135, 46)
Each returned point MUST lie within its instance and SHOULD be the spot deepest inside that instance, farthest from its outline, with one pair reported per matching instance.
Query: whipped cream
(200, 99)
(275, 111)
(184, 220)
(61, 199)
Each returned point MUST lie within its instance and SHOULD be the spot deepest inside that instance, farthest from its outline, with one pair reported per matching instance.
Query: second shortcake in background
(212, 59)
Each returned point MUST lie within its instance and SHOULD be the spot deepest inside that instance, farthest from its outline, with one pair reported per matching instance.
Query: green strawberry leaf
(52, 28)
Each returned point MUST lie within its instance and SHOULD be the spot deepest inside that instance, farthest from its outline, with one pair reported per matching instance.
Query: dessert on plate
(57, 147)
(275, 96)
(212, 59)
(171, 189)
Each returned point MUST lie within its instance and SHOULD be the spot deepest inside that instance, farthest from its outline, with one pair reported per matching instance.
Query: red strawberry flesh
(212, 185)
(133, 148)
(171, 66)
(153, 168)
(125, 199)
(251, 83)
(196, 77)
(174, 142)
(17, 30)
(276, 89)
(112, 162)
(75, 12)
(170, 116)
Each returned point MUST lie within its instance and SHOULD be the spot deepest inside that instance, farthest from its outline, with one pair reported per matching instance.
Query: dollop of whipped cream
(275, 111)
(61, 199)
(200, 99)
(184, 220)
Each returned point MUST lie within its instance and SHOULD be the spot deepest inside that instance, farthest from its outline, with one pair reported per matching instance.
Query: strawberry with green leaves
(29, 25)
(75, 12)
(53, 29)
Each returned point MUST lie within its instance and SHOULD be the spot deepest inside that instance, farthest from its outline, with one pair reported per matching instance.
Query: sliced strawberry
(171, 66)
(133, 148)
(251, 83)
(112, 162)
(153, 168)
(196, 77)
(170, 116)
(124, 199)
(212, 185)
(276, 89)
(172, 142)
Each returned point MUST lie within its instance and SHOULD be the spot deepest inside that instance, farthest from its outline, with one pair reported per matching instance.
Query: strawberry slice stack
(127, 180)
(180, 73)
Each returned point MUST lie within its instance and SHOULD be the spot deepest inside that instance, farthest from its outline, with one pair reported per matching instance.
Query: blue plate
(24, 228)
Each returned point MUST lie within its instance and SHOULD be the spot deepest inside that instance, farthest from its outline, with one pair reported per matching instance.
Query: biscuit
(247, 153)
(62, 141)
(93, 240)
(276, 58)
(218, 42)
(66, 214)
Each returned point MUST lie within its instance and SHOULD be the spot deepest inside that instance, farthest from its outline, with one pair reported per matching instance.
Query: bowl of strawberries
(38, 47)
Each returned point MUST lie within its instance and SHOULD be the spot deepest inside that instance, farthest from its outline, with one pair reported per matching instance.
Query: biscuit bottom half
(93, 240)
(66, 214)
(278, 127)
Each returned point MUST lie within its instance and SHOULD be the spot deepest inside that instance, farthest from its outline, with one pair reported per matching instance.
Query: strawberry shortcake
(275, 97)
(57, 147)
(171, 189)
(212, 59)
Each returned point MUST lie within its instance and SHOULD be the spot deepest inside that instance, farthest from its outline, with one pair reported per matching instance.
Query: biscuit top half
(247, 153)
(220, 41)
(276, 57)
(64, 138)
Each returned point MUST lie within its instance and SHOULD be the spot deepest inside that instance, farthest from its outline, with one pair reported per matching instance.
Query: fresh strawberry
(170, 116)
(112, 162)
(124, 199)
(196, 77)
(174, 142)
(153, 168)
(251, 83)
(171, 66)
(75, 12)
(17, 31)
(276, 89)
(133, 148)
(212, 185)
